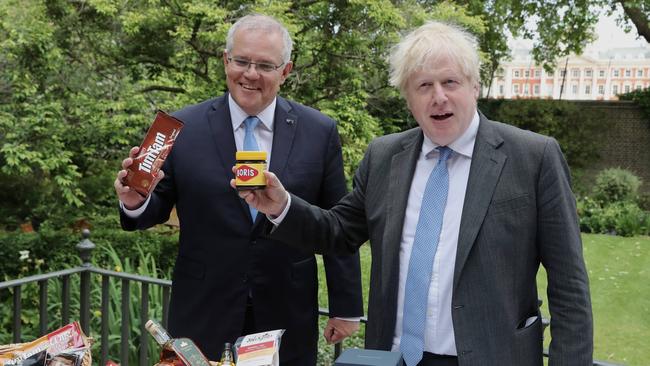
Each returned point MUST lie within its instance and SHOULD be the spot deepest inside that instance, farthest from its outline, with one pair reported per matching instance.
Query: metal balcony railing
(85, 271)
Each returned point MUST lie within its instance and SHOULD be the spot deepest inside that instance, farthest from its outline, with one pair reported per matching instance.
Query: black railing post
(85, 248)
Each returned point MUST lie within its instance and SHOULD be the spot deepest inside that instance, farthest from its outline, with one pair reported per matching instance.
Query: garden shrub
(589, 212)
(623, 218)
(616, 185)
(613, 207)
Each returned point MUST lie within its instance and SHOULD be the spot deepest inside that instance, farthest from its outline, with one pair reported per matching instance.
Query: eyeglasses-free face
(255, 84)
(259, 66)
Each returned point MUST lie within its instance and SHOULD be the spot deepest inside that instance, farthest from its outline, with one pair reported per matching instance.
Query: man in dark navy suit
(228, 280)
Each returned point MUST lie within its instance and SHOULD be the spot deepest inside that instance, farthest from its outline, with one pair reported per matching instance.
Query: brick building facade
(595, 75)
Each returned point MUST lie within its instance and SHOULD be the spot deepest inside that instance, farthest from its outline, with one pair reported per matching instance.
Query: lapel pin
(290, 121)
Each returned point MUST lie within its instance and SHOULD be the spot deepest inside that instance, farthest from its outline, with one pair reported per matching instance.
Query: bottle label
(189, 352)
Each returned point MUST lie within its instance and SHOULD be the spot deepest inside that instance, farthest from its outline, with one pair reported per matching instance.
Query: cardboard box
(369, 357)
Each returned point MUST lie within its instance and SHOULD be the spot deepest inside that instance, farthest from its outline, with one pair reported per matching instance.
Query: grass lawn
(619, 273)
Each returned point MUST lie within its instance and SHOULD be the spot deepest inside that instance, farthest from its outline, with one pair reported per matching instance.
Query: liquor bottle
(181, 348)
(227, 358)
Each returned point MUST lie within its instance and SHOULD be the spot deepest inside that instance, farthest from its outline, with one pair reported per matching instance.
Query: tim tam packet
(153, 151)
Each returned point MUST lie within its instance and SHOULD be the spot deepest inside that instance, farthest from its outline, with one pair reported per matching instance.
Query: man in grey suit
(499, 205)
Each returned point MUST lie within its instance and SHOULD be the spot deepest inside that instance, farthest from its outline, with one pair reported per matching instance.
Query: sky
(609, 35)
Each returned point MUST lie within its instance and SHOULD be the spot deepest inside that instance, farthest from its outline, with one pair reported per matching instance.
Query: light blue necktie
(425, 243)
(250, 144)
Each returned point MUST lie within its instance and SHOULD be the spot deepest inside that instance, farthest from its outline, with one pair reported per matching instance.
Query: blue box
(368, 357)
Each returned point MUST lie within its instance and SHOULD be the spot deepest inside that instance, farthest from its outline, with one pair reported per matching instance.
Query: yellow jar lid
(251, 155)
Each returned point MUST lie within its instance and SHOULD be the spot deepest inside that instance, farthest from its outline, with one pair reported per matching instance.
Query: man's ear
(286, 70)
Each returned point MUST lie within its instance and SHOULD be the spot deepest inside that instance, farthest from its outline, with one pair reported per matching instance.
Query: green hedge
(54, 249)
(578, 131)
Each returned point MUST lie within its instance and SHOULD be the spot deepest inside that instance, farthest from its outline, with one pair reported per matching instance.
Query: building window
(515, 89)
(628, 73)
(587, 89)
(501, 89)
(516, 73)
(575, 73)
(538, 73)
(601, 73)
(526, 89)
(536, 89)
(574, 89)
(601, 89)
(527, 73)
(639, 73)
(627, 88)
(588, 73)
(615, 73)
(562, 73)
(614, 89)
(638, 87)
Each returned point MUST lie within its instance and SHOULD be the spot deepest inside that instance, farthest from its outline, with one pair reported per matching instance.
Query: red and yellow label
(250, 175)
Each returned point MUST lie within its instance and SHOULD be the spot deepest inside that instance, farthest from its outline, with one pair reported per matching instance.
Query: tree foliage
(80, 80)
(636, 12)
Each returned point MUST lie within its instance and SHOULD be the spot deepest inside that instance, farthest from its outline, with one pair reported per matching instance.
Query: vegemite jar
(248, 170)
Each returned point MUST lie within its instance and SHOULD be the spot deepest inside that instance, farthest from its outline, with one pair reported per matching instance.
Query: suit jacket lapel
(284, 131)
(487, 163)
(224, 138)
(402, 168)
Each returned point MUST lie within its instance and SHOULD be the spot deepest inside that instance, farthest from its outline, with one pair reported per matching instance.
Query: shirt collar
(464, 145)
(237, 115)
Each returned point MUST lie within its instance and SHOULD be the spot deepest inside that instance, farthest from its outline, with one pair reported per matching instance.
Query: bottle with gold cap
(227, 358)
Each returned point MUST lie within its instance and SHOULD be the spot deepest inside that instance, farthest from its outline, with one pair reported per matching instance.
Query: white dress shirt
(263, 134)
(439, 330)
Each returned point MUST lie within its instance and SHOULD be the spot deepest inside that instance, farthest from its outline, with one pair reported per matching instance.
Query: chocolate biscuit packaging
(153, 151)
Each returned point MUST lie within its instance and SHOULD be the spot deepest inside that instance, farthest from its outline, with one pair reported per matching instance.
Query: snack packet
(69, 339)
(154, 149)
(259, 349)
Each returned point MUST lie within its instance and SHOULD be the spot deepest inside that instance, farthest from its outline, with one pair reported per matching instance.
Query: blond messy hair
(431, 42)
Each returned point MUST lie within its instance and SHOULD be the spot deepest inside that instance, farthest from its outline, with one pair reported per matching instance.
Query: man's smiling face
(251, 88)
(442, 100)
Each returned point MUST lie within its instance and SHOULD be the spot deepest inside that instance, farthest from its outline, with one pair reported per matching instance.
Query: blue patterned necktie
(425, 243)
(250, 144)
